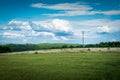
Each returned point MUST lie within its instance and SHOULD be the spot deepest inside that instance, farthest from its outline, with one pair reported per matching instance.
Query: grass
(55, 66)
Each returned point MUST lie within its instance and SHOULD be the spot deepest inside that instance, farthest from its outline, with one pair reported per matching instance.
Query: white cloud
(84, 12)
(72, 13)
(44, 34)
(73, 9)
(46, 29)
(34, 33)
(52, 29)
(15, 24)
(61, 25)
(99, 25)
(66, 9)
(93, 22)
(63, 6)
(103, 29)
(12, 35)
(54, 25)
(64, 38)
(112, 12)
(114, 25)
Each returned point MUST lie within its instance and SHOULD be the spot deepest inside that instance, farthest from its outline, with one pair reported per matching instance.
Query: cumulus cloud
(49, 34)
(57, 28)
(99, 25)
(42, 33)
(54, 25)
(104, 29)
(46, 29)
(12, 35)
(60, 29)
(15, 24)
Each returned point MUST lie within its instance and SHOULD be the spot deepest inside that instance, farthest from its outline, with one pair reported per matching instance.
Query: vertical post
(83, 38)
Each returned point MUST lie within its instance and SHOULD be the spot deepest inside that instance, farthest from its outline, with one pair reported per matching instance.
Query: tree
(4, 49)
(64, 46)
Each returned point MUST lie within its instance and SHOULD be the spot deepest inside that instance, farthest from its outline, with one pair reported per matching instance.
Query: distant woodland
(27, 47)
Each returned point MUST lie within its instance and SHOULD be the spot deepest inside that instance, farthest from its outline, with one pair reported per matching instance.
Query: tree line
(27, 47)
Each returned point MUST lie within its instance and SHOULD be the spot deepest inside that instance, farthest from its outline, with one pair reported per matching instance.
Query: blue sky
(59, 21)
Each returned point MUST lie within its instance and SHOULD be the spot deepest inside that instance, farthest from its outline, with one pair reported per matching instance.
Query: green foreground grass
(58, 66)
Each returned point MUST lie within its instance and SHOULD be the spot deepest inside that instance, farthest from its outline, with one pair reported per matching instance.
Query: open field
(57, 66)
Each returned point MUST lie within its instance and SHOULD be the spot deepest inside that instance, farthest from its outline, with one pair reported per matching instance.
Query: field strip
(63, 50)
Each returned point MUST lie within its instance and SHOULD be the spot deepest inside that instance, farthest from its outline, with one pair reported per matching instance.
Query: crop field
(61, 66)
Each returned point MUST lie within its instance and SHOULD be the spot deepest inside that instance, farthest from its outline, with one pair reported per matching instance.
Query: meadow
(61, 66)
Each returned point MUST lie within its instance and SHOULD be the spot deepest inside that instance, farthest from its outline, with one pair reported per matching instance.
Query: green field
(61, 66)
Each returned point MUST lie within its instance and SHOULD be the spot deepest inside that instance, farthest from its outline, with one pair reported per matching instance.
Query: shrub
(36, 52)
(88, 49)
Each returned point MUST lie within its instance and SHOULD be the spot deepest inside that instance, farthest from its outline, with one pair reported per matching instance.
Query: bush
(36, 52)
(88, 49)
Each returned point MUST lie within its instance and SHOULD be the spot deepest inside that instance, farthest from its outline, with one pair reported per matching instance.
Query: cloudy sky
(59, 21)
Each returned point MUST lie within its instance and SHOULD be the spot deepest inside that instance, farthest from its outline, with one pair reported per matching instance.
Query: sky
(59, 21)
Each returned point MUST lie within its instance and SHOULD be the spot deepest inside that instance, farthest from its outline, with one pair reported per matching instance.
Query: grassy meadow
(61, 66)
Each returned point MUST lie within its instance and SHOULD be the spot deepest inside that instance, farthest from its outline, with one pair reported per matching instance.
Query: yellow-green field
(58, 66)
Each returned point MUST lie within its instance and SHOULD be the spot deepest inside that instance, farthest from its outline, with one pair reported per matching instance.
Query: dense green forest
(26, 47)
